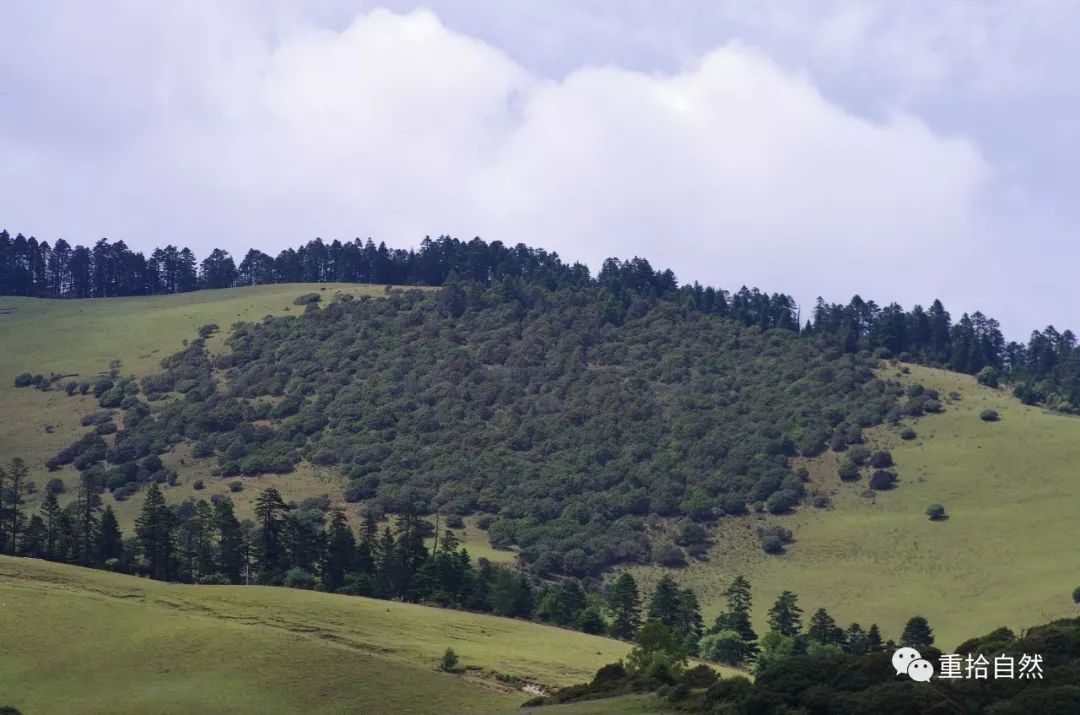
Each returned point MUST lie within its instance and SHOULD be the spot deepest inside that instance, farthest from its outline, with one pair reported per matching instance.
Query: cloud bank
(218, 128)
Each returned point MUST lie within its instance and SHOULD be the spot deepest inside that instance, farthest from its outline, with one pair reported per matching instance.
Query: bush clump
(908, 434)
(24, 379)
(989, 416)
(935, 512)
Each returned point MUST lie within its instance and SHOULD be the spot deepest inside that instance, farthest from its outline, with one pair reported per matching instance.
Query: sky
(900, 151)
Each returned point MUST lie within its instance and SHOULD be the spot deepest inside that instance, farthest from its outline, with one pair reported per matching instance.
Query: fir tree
(785, 617)
(624, 601)
(153, 528)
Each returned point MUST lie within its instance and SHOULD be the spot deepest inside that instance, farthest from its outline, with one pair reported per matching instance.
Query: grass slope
(83, 336)
(77, 640)
(1006, 556)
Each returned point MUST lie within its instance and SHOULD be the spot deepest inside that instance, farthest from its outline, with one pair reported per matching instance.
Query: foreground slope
(89, 641)
(1006, 555)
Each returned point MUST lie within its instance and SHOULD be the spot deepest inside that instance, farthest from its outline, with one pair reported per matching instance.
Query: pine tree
(664, 604)
(85, 509)
(737, 616)
(624, 601)
(856, 640)
(873, 639)
(917, 633)
(12, 493)
(339, 554)
(823, 629)
(33, 538)
(230, 541)
(203, 542)
(153, 529)
(785, 617)
(270, 512)
(110, 543)
(690, 625)
(50, 514)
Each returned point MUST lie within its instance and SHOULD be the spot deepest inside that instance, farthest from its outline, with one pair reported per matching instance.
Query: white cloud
(732, 171)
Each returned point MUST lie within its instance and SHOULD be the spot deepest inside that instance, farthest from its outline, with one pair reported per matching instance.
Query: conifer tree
(624, 601)
(153, 529)
(785, 617)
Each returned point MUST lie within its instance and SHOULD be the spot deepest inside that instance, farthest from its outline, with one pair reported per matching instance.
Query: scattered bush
(908, 434)
(197, 484)
(881, 459)
(669, 554)
(449, 660)
(882, 479)
(848, 470)
(307, 299)
(936, 512)
(24, 379)
(236, 486)
(989, 416)
(54, 486)
(932, 406)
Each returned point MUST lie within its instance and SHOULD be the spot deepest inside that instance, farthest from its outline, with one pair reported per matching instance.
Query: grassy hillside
(1007, 555)
(83, 336)
(77, 640)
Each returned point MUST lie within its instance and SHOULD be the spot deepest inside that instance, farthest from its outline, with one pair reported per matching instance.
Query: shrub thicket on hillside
(569, 415)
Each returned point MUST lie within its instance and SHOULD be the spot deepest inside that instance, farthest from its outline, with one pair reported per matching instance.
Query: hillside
(1006, 556)
(1003, 557)
(175, 648)
(84, 336)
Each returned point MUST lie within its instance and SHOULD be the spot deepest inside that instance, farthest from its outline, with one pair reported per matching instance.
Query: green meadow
(1006, 556)
(75, 639)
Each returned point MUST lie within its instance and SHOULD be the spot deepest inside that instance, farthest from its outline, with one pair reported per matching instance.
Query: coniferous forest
(1045, 370)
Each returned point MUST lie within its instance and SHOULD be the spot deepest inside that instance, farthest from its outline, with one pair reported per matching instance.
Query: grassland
(1007, 555)
(76, 640)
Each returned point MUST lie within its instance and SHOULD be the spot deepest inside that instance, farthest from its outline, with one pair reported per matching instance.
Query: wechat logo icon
(909, 661)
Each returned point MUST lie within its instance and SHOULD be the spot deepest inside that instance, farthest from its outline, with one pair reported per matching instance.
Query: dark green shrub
(848, 471)
(908, 434)
(24, 379)
(881, 459)
(936, 512)
(989, 416)
(882, 479)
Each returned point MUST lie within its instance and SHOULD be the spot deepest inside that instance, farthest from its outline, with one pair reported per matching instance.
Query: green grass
(1007, 555)
(77, 640)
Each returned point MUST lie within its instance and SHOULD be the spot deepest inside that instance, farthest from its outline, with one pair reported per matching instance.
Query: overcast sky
(902, 151)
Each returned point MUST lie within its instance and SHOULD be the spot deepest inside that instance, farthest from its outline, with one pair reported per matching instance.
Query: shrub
(989, 416)
(848, 470)
(859, 454)
(908, 434)
(700, 676)
(936, 512)
(299, 578)
(932, 406)
(54, 486)
(236, 487)
(454, 521)
(781, 501)
(197, 484)
(772, 545)
(24, 379)
(881, 459)
(882, 479)
(668, 554)
(987, 376)
(1076, 595)
(307, 299)
(449, 660)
